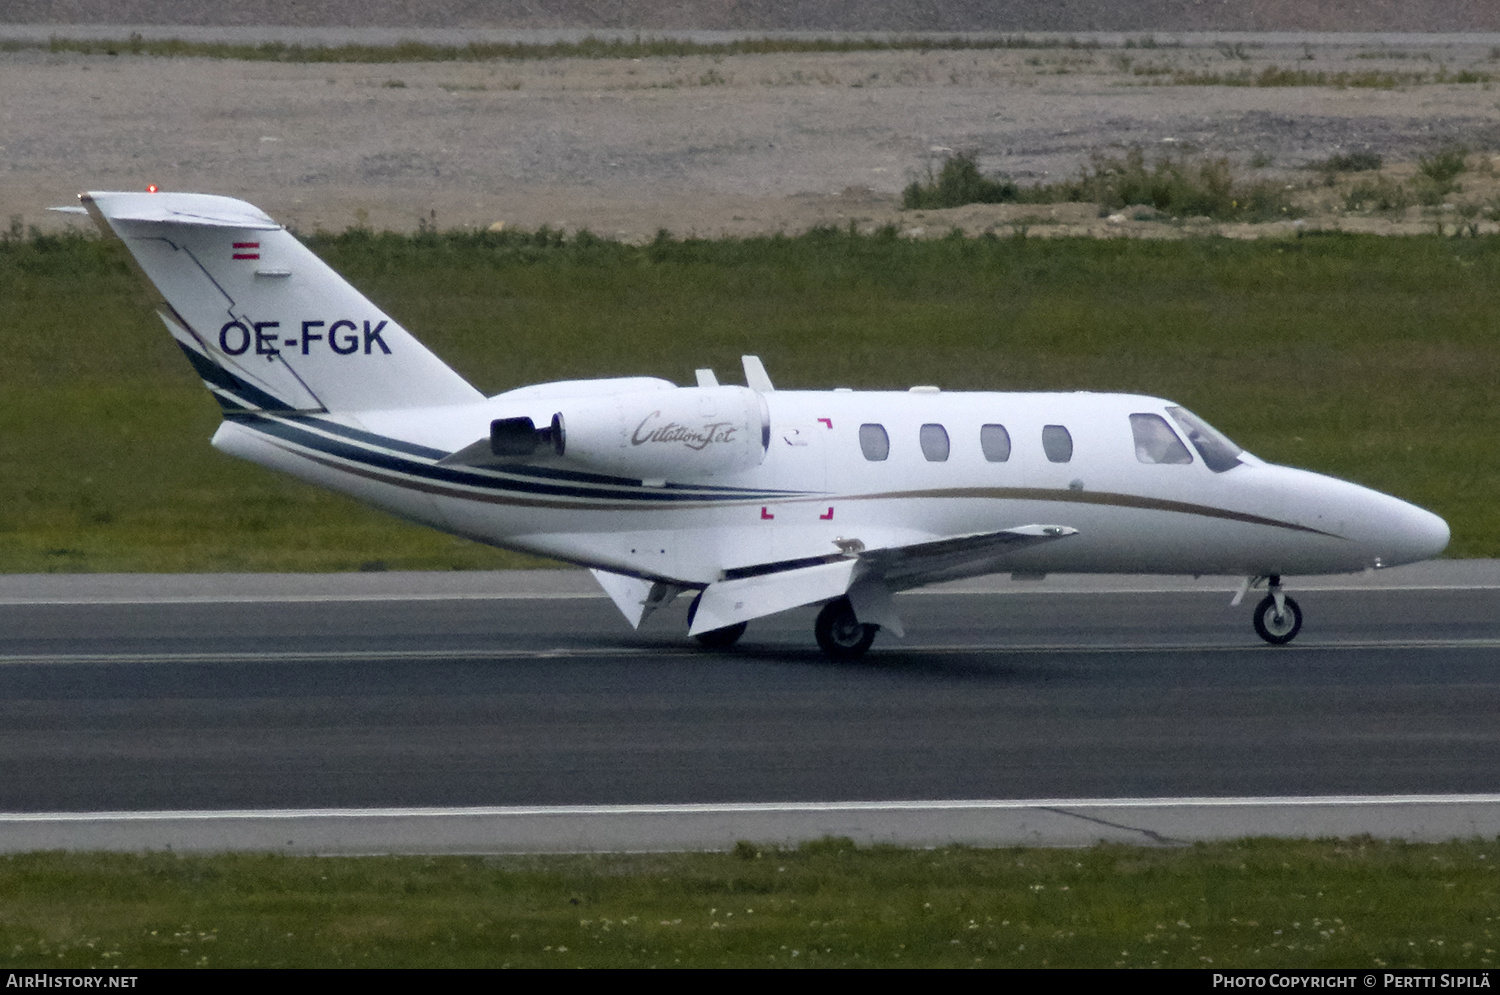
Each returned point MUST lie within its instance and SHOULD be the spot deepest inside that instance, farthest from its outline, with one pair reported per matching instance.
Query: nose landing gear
(1278, 618)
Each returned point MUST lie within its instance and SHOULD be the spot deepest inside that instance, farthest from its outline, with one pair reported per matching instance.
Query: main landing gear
(1278, 618)
(841, 635)
(715, 639)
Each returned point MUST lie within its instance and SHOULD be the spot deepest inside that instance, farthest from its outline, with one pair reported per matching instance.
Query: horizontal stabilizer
(205, 210)
(476, 453)
(730, 602)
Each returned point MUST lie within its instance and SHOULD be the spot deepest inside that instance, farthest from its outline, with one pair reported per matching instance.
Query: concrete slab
(676, 828)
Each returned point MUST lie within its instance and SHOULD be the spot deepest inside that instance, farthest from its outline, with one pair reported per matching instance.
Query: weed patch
(588, 48)
(1360, 161)
(1377, 194)
(1276, 76)
(959, 182)
(1444, 165)
(1179, 187)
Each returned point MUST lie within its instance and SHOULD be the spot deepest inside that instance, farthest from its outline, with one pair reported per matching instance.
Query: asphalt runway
(260, 700)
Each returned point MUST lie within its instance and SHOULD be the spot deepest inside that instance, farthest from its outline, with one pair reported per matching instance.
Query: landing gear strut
(841, 635)
(1278, 619)
(715, 639)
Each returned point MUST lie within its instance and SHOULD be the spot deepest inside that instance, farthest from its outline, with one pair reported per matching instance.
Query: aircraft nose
(1410, 534)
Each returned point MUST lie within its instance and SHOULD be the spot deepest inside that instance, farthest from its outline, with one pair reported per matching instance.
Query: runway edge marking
(702, 808)
(1065, 822)
(670, 652)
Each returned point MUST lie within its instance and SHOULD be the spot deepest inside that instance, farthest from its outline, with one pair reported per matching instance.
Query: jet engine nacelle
(687, 432)
(666, 434)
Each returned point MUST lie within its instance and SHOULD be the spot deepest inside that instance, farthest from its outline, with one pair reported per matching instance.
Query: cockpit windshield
(1219, 454)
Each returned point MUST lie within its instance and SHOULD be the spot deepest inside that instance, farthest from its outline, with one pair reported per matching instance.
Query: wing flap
(863, 574)
(729, 602)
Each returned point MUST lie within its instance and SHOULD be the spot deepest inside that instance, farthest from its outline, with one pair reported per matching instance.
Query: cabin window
(1155, 442)
(1219, 454)
(934, 443)
(875, 443)
(1057, 443)
(995, 441)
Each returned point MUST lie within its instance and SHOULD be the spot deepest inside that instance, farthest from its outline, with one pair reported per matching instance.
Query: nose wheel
(1278, 619)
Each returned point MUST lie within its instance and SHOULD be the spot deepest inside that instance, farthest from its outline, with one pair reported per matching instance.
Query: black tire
(1274, 629)
(718, 639)
(715, 639)
(841, 635)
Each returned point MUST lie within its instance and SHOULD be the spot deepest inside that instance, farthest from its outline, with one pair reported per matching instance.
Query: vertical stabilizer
(267, 324)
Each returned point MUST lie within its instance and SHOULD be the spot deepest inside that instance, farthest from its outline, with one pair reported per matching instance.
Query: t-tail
(267, 324)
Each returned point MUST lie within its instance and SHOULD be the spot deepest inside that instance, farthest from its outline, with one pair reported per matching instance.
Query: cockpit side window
(1155, 442)
(1219, 454)
(873, 441)
(1057, 443)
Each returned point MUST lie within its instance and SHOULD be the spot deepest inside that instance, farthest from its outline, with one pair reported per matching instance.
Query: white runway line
(748, 652)
(664, 828)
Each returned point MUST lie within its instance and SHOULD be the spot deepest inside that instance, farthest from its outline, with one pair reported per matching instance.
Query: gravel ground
(790, 15)
(702, 145)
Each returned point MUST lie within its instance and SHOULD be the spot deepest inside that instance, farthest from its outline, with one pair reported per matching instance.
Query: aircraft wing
(864, 574)
(944, 554)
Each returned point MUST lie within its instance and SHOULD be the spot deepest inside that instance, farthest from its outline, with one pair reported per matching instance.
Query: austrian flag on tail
(247, 250)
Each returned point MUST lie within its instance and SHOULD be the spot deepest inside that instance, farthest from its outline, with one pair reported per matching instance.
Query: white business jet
(757, 500)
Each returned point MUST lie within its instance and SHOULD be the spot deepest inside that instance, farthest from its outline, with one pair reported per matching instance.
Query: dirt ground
(734, 145)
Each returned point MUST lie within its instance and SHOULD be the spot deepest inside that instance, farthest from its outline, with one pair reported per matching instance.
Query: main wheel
(1277, 628)
(841, 635)
(715, 639)
(718, 639)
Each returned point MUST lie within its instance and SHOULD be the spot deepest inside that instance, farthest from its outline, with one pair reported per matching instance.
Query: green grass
(638, 47)
(1371, 359)
(1257, 903)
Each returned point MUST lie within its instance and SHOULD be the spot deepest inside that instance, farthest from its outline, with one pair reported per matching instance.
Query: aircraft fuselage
(816, 488)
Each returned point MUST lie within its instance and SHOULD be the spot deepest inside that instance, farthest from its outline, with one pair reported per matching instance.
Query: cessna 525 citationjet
(756, 499)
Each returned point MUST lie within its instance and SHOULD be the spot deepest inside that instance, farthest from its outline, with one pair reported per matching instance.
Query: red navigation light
(151, 188)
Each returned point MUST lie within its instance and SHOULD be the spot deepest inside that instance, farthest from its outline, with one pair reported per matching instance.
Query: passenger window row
(1155, 442)
(994, 442)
